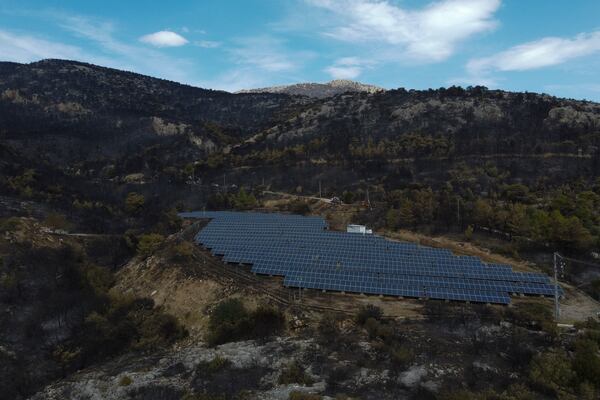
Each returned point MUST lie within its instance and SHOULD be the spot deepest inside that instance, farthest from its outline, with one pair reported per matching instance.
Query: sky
(550, 46)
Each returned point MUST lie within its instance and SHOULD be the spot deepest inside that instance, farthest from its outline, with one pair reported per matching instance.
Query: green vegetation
(9, 224)
(57, 221)
(296, 395)
(294, 373)
(125, 381)
(182, 252)
(134, 203)
(231, 321)
(239, 201)
(366, 312)
(299, 207)
(149, 243)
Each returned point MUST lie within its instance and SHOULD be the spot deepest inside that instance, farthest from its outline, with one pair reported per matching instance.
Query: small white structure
(358, 229)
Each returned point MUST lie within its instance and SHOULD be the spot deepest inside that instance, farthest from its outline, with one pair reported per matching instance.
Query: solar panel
(308, 255)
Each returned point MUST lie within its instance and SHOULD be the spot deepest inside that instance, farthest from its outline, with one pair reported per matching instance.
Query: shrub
(534, 315)
(56, 221)
(294, 373)
(149, 243)
(328, 328)
(296, 395)
(586, 362)
(134, 203)
(266, 321)
(595, 289)
(125, 381)
(182, 252)
(377, 330)
(402, 356)
(368, 311)
(10, 224)
(217, 364)
(551, 370)
(299, 207)
(231, 321)
(469, 233)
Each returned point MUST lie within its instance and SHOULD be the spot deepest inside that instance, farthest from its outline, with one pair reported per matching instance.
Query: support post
(556, 303)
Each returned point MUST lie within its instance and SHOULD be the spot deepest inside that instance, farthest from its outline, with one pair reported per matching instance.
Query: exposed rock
(413, 376)
(319, 90)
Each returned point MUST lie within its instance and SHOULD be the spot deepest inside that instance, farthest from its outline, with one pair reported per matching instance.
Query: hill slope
(319, 90)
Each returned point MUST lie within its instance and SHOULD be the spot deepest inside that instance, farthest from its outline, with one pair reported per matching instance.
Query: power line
(580, 261)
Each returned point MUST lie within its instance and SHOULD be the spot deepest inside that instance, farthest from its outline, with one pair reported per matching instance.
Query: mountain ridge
(318, 90)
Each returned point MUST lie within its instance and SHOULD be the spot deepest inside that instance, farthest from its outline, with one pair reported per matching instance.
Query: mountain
(100, 281)
(319, 90)
(104, 122)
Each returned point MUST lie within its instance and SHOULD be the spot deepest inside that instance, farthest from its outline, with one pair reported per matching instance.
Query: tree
(149, 243)
(469, 233)
(483, 213)
(134, 203)
(406, 217)
(551, 370)
(586, 362)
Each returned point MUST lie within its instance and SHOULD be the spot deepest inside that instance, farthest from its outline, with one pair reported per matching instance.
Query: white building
(358, 229)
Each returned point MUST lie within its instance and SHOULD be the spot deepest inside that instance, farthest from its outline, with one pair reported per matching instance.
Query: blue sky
(539, 46)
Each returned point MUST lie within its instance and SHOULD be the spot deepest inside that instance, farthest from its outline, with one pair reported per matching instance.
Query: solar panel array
(307, 255)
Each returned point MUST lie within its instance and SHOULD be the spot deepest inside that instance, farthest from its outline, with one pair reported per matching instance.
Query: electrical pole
(556, 303)
(320, 189)
(458, 211)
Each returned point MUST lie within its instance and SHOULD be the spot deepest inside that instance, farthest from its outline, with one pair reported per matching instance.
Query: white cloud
(267, 54)
(428, 34)
(207, 44)
(347, 68)
(119, 54)
(541, 53)
(28, 48)
(164, 39)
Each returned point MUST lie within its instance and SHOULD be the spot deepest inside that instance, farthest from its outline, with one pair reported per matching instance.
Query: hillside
(103, 290)
(319, 90)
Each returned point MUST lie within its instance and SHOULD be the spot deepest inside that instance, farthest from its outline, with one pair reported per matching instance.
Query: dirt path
(296, 196)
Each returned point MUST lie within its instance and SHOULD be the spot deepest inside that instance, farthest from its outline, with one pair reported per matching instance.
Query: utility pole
(458, 210)
(320, 189)
(556, 303)
(368, 199)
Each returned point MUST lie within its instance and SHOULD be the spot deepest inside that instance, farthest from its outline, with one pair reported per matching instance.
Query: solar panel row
(309, 256)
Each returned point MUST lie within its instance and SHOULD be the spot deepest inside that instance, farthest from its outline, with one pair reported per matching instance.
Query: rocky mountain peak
(318, 90)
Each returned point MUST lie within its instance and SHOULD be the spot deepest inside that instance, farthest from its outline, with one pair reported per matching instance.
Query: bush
(586, 362)
(56, 221)
(328, 328)
(299, 207)
(377, 330)
(182, 252)
(134, 203)
(148, 244)
(551, 371)
(215, 365)
(534, 315)
(402, 356)
(368, 311)
(595, 289)
(231, 321)
(294, 373)
(125, 381)
(296, 395)
(9, 224)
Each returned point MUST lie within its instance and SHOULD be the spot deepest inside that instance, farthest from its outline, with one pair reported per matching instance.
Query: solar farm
(307, 255)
